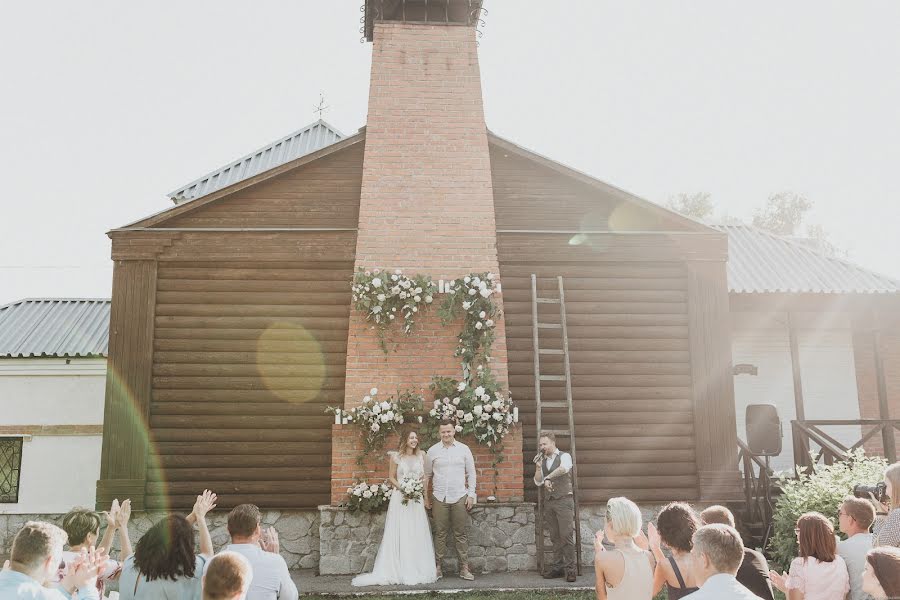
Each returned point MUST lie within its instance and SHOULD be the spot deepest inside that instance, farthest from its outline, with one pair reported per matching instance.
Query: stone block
(294, 526)
(496, 564)
(523, 535)
(505, 512)
(334, 565)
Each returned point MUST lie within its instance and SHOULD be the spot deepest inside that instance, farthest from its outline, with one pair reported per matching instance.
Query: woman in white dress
(406, 554)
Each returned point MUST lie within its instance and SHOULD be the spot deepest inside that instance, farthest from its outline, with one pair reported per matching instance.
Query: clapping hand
(653, 536)
(205, 503)
(779, 581)
(879, 506)
(269, 540)
(112, 515)
(84, 570)
(124, 514)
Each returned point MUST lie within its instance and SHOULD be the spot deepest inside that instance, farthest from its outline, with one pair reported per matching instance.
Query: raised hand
(653, 536)
(205, 503)
(779, 581)
(112, 515)
(124, 514)
(84, 570)
(269, 541)
(598, 543)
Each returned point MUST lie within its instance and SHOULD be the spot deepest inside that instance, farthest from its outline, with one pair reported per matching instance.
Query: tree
(697, 205)
(783, 213)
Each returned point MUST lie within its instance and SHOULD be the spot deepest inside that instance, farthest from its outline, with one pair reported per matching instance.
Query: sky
(107, 106)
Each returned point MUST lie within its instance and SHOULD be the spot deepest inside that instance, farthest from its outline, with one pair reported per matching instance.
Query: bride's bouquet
(412, 488)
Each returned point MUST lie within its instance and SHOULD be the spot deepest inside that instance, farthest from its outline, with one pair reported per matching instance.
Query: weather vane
(321, 107)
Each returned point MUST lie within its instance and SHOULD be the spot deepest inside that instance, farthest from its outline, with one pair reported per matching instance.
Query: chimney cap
(431, 12)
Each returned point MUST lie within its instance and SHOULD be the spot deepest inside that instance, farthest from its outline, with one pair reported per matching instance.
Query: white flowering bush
(412, 488)
(376, 417)
(480, 407)
(368, 497)
(472, 297)
(386, 297)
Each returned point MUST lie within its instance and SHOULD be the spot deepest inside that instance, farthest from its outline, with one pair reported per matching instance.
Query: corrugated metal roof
(762, 262)
(54, 327)
(300, 143)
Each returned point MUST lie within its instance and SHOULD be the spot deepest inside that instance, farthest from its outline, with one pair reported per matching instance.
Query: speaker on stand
(764, 435)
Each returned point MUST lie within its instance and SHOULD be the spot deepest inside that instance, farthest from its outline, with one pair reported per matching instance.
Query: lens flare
(290, 362)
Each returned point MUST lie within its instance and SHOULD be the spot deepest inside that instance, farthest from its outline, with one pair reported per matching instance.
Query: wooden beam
(712, 381)
(890, 448)
(799, 406)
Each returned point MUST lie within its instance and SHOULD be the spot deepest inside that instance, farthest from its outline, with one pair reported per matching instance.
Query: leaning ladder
(542, 549)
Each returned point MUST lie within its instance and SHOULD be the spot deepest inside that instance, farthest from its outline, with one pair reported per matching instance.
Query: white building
(52, 385)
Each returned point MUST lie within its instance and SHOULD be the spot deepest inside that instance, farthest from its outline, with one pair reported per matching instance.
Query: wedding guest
(753, 573)
(228, 576)
(881, 577)
(271, 579)
(83, 528)
(553, 472)
(34, 561)
(675, 526)
(855, 516)
(718, 552)
(450, 475)
(819, 573)
(887, 521)
(625, 573)
(163, 565)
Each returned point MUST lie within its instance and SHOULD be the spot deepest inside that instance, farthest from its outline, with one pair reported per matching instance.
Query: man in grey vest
(553, 472)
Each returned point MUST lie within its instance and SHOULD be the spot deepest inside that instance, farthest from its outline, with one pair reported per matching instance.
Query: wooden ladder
(542, 549)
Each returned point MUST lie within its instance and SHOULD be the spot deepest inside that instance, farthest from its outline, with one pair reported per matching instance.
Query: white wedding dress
(406, 554)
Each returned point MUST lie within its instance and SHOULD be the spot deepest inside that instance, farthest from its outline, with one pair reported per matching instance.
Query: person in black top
(754, 571)
(675, 526)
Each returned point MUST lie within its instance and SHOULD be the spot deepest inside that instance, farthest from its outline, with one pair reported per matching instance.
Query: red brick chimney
(427, 207)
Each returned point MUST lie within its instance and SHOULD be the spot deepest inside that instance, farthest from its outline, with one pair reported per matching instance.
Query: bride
(406, 554)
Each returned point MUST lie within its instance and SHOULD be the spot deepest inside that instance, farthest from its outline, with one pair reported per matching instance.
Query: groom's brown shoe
(439, 573)
(465, 573)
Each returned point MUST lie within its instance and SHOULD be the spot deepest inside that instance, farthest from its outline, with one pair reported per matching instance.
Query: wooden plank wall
(631, 373)
(247, 355)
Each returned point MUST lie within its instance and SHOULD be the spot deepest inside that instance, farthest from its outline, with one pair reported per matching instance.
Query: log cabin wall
(629, 302)
(249, 316)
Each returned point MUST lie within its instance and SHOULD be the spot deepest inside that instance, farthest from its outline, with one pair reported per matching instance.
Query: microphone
(538, 457)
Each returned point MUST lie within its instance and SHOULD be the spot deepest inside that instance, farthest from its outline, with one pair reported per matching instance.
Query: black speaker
(763, 430)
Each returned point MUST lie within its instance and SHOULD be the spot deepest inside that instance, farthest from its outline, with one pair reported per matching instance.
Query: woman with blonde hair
(887, 521)
(406, 553)
(625, 573)
(819, 573)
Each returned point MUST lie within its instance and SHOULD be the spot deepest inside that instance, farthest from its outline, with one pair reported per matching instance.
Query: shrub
(822, 492)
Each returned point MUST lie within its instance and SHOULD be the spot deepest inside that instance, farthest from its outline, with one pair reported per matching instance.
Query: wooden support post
(887, 432)
(801, 449)
(128, 382)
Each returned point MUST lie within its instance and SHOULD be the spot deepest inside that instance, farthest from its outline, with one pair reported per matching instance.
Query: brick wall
(867, 383)
(426, 207)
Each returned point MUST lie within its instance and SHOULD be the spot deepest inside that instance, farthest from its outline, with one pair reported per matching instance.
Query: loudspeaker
(763, 430)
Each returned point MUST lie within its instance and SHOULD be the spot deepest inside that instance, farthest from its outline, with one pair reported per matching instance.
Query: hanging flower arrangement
(480, 407)
(369, 497)
(376, 418)
(386, 297)
(472, 297)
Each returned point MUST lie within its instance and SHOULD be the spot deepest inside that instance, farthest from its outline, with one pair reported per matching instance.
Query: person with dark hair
(163, 566)
(855, 517)
(271, 579)
(675, 526)
(552, 471)
(881, 577)
(227, 577)
(83, 528)
(819, 573)
(34, 559)
(450, 487)
(753, 573)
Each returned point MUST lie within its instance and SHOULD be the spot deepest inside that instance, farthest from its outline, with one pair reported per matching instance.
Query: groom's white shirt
(722, 586)
(452, 471)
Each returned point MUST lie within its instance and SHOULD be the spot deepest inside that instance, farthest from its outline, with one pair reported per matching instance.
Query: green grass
(487, 595)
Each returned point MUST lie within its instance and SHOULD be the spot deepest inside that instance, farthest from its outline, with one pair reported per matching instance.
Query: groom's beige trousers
(449, 517)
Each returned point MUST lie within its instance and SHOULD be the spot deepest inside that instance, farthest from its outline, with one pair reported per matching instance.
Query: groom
(450, 475)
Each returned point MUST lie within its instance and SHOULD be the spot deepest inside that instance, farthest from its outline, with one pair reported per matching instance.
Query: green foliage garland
(386, 297)
(471, 296)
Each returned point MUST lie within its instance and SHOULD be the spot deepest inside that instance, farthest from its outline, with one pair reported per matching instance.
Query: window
(10, 465)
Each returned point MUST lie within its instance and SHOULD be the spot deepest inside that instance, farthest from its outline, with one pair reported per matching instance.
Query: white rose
(415, 309)
(459, 428)
(509, 419)
(376, 310)
(484, 293)
(367, 399)
(485, 398)
(478, 410)
(479, 391)
(419, 418)
(394, 278)
(488, 408)
(433, 412)
(482, 285)
(376, 271)
(376, 409)
(403, 295)
(373, 488)
(395, 289)
(367, 494)
(496, 404)
(380, 297)
(490, 276)
(418, 290)
(466, 305)
(389, 414)
(406, 284)
(478, 325)
(482, 314)
(417, 298)
(489, 322)
(460, 414)
(467, 279)
(428, 299)
(385, 405)
(398, 271)
(473, 291)
(461, 386)
(376, 282)
(468, 418)
(476, 280)
(498, 416)
(456, 402)
(375, 427)
(373, 391)
(391, 317)
(446, 400)
(485, 416)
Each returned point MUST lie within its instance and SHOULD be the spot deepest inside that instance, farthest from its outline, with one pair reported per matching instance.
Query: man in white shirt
(450, 475)
(855, 517)
(553, 472)
(271, 579)
(717, 556)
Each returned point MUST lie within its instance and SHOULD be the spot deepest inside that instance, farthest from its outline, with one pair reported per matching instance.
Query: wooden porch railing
(808, 435)
(758, 505)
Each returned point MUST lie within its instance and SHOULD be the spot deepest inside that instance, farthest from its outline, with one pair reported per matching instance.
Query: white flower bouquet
(472, 296)
(480, 407)
(368, 497)
(412, 488)
(375, 417)
(385, 297)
